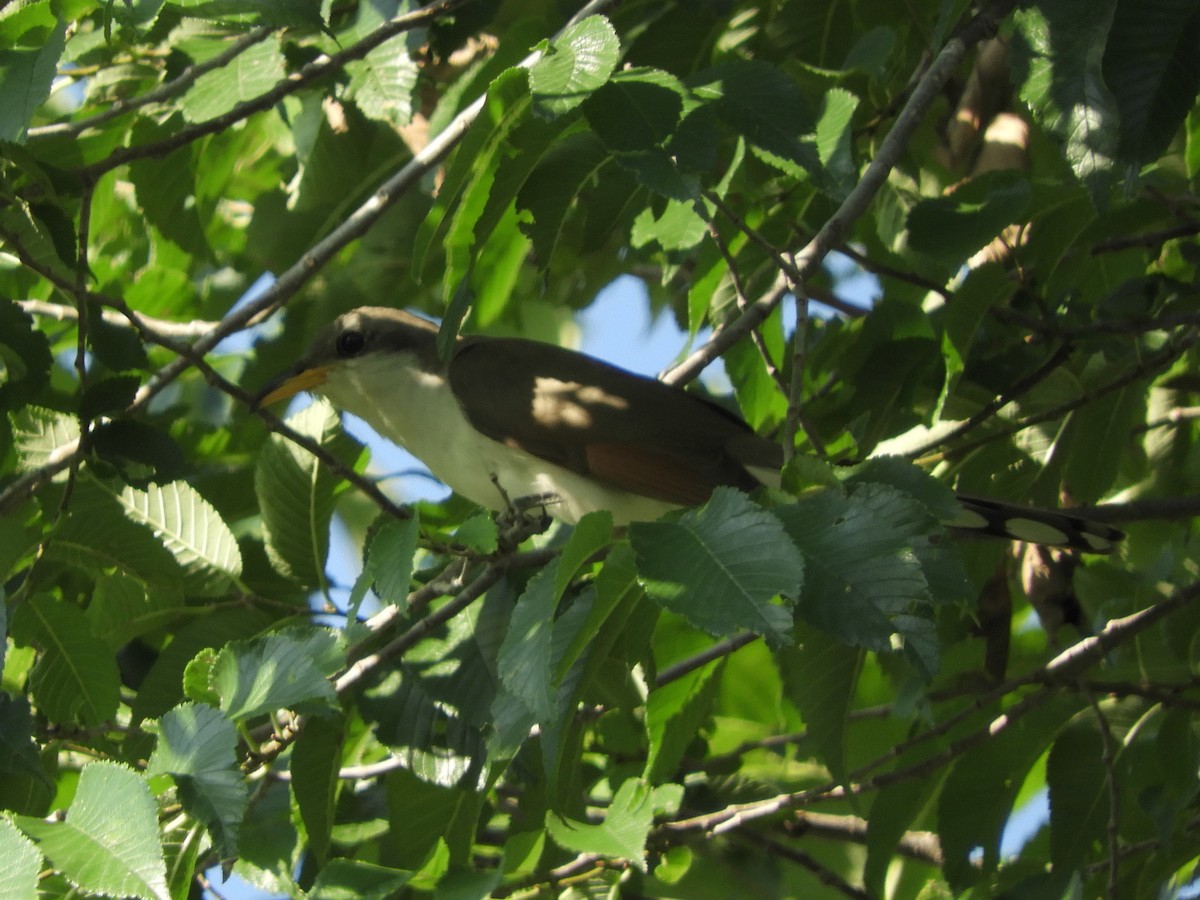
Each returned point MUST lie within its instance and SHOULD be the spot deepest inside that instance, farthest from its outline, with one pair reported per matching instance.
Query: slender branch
(63, 313)
(795, 855)
(289, 282)
(308, 73)
(1108, 759)
(177, 86)
(922, 846)
(715, 652)
(1141, 325)
(1146, 239)
(1064, 667)
(1022, 387)
(1174, 417)
(1151, 365)
(1150, 509)
(832, 234)
(877, 268)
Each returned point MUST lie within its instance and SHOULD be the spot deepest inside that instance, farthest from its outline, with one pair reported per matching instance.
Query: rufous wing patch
(650, 472)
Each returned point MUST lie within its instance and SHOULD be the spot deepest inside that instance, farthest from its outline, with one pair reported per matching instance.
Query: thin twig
(63, 313)
(713, 653)
(1108, 760)
(1146, 239)
(821, 872)
(1018, 390)
(308, 73)
(288, 283)
(833, 232)
(1151, 365)
(119, 106)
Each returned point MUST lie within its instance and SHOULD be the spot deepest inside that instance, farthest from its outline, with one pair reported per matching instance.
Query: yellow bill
(291, 385)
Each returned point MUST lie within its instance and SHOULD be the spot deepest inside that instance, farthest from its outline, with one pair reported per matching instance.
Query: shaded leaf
(296, 493)
(721, 566)
(75, 679)
(197, 747)
(390, 558)
(284, 670)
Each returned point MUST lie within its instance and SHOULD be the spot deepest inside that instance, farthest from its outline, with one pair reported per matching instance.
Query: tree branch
(833, 233)
(308, 74)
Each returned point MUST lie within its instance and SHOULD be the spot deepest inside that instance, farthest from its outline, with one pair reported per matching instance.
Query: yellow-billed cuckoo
(512, 418)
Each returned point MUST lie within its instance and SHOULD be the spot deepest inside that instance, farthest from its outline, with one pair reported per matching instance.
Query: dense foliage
(804, 693)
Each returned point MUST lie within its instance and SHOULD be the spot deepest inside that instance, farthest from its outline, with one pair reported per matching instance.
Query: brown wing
(578, 412)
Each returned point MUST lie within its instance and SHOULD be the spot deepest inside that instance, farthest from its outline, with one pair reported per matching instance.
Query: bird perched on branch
(509, 418)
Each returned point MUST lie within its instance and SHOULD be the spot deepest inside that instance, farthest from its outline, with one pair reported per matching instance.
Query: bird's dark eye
(351, 343)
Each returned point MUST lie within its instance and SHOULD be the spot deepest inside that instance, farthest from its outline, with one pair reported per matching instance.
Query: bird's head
(364, 345)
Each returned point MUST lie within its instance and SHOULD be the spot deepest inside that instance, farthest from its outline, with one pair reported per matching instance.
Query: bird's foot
(523, 517)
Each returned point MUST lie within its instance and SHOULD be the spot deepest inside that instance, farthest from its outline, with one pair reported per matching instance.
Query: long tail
(1049, 527)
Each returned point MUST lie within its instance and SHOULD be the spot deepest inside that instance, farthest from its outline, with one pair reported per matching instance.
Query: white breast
(417, 410)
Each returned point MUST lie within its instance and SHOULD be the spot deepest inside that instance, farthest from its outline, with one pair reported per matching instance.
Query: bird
(503, 419)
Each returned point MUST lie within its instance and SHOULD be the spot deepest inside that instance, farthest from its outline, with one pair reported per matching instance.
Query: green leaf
(637, 109)
(41, 436)
(1095, 442)
(108, 843)
(296, 494)
(678, 228)
(466, 193)
(835, 138)
(17, 543)
(390, 559)
(382, 82)
(1079, 794)
(820, 676)
(22, 861)
(721, 566)
(285, 670)
(422, 816)
(76, 678)
(316, 759)
(591, 534)
(349, 879)
(192, 530)
(277, 13)
(564, 172)
(1060, 50)
(25, 79)
(479, 533)
(676, 711)
(197, 747)
(526, 656)
(578, 62)
(977, 797)
(1150, 65)
(108, 395)
(24, 356)
(949, 229)
(863, 581)
(251, 74)
(98, 537)
(936, 498)
(123, 608)
(762, 104)
(24, 784)
(162, 688)
(622, 834)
